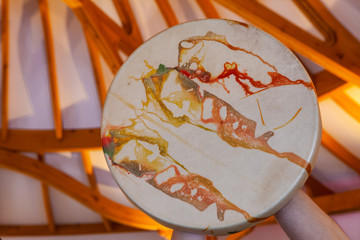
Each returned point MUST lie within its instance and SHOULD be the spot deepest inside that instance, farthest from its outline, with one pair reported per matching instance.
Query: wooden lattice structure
(338, 54)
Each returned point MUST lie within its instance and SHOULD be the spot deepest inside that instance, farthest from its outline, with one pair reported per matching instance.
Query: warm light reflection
(354, 93)
(335, 91)
(340, 125)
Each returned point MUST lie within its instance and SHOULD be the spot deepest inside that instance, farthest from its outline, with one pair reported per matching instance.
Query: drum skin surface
(211, 126)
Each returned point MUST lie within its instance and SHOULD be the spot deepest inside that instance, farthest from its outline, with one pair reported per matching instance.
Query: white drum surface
(211, 126)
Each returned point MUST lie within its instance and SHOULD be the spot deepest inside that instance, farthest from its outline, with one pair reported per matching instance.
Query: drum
(211, 126)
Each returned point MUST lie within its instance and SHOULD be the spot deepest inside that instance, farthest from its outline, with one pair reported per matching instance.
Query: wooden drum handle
(301, 218)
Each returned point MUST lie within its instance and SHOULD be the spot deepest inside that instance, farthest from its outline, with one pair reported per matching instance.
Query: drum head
(211, 126)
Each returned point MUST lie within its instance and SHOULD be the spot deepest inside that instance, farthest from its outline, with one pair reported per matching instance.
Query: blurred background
(58, 57)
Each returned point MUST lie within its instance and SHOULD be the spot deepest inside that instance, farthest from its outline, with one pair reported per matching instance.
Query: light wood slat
(45, 141)
(47, 202)
(341, 152)
(208, 8)
(342, 59)
(167, 12)
(50, 54)
(5, 67)
(78, 191)
(63, 229)
(347, 104)
(326, 83)
(96, 65)
(127, 18)
(92, 180)
(240, 235)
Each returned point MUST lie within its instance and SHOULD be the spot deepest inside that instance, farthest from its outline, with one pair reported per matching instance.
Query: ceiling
(58, 59)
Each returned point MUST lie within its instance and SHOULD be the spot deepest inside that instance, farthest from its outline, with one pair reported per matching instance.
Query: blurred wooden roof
(110, 38)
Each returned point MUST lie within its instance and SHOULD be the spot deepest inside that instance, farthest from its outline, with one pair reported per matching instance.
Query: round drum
(211, 126)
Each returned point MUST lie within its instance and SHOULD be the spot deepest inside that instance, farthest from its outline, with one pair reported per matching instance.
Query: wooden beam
(333, 203)
(50, 54)
(341, 88)
(123, 15)
(92, 181)
(341, 58)
(89, 170)
(339, 202)
(208, 8)
(318, 22)
(63, 229)
(47, 202)
(78, 191)
(348, 104)
(127, 18)
(167, 12)
(45, 141)
(341, 152)
(108, 28)
(47, 205)
(325, 83)
(5, 67)
(91, 24)
(106, 34)
(316, 188)
(96, 65)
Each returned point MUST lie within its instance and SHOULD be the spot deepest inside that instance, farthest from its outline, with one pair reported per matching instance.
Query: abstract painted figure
(195, 92)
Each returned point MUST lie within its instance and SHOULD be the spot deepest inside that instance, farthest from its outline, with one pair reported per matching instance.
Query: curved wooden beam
(78, 191)
(331, 203)
(45, 140)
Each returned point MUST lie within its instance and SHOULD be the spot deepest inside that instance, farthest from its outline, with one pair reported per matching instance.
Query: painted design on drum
(199, 107)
